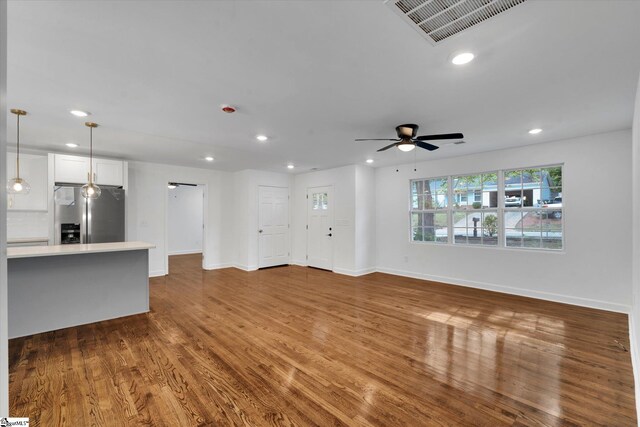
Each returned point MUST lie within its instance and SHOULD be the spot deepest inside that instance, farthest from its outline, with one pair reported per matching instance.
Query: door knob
(259, 231)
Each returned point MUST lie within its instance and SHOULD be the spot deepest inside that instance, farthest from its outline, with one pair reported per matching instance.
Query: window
(515, 208)
(429, 216)
(533, 207)
(476, 221)
(320, 201)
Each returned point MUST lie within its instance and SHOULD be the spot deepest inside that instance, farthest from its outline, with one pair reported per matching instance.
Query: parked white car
(513, 201)
(555, 203)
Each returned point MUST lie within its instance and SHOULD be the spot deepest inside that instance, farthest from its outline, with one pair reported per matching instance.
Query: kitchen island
(55, 287)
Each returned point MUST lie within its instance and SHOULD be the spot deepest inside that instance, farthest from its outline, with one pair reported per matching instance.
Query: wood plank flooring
(297, 346)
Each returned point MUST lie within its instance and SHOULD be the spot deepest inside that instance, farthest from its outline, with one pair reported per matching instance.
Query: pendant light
(18, 185)
(90, 190)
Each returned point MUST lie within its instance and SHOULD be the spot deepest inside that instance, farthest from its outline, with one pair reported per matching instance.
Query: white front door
(273, 226)
(320, 227)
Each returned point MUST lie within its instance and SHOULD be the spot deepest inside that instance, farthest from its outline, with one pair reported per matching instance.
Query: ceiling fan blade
(426, 145)
(388, 146)
(441, 136)
(384, 139)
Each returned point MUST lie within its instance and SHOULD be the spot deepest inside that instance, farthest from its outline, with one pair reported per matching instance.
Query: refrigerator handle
(86, 224)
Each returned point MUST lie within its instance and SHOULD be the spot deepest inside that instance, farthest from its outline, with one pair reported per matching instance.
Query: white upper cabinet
(75, 170)
(108, 172)
(33, 169)
(71, 169)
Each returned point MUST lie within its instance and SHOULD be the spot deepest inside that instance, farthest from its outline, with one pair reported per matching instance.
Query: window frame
(534, 208)
(469, 209)
(499, 210)
(446, 210)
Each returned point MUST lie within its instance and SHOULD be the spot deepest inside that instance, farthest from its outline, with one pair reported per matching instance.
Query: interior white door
(320, 227)
(273, 226)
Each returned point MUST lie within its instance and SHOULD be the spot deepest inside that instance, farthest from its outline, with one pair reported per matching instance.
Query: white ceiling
(313, 75)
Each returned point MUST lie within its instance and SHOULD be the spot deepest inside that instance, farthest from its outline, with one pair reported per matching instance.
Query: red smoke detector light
(228, 109)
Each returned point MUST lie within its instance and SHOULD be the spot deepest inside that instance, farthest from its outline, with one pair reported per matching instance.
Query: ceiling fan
(407, 139)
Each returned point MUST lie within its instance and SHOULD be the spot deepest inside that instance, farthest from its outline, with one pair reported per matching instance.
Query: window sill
(498, 248)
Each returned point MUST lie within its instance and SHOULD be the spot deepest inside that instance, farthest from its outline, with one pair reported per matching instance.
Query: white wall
(634, 324)
(25, 224)
(365, 220)
(4, 340)
(595, 267)
(147, 211)
(245, 210)
(185, 206)
(344, 204)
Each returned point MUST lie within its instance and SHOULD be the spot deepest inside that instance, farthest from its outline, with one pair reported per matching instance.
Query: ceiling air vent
(438, 20)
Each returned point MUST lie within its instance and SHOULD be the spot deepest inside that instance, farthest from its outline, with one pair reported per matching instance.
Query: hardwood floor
(298, 346)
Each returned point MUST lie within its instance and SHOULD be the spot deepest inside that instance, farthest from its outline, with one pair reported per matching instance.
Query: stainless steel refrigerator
(80, 220)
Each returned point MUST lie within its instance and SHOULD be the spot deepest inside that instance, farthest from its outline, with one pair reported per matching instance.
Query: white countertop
(38, 251)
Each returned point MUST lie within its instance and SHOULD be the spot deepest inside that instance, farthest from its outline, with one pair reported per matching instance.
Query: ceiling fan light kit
(406, 146)
(408, 140)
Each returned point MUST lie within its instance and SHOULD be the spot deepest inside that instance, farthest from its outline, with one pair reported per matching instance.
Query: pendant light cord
(18, 148)
(91, 155)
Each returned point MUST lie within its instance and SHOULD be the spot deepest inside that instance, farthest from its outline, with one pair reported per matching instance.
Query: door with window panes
(320, 227)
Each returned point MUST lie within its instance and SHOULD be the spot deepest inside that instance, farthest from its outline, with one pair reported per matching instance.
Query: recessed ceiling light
(290, 166)
(209, 159)
(463, 58)
(369, 160)
(79, 113)
(535, 131)
(71, 145)
(262, 138)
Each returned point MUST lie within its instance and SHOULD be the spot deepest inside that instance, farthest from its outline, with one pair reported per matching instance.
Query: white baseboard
(217, 266)
(245, 267)
(635, 360)
(548, 296)
(346, 272)
(156, 273)
(186, 252)
(354, 273)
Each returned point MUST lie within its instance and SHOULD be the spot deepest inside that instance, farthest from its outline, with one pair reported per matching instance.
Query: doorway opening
(185, 222)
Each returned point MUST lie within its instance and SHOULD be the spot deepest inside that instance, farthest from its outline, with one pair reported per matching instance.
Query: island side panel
(54, 292)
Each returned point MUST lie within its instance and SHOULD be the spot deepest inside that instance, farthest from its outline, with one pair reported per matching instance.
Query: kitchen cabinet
(75, 170)
(71, 169)
(108, 172)
(33, 169)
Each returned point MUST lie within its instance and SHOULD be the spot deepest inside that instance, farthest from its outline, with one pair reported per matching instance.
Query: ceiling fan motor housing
(407, 131)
